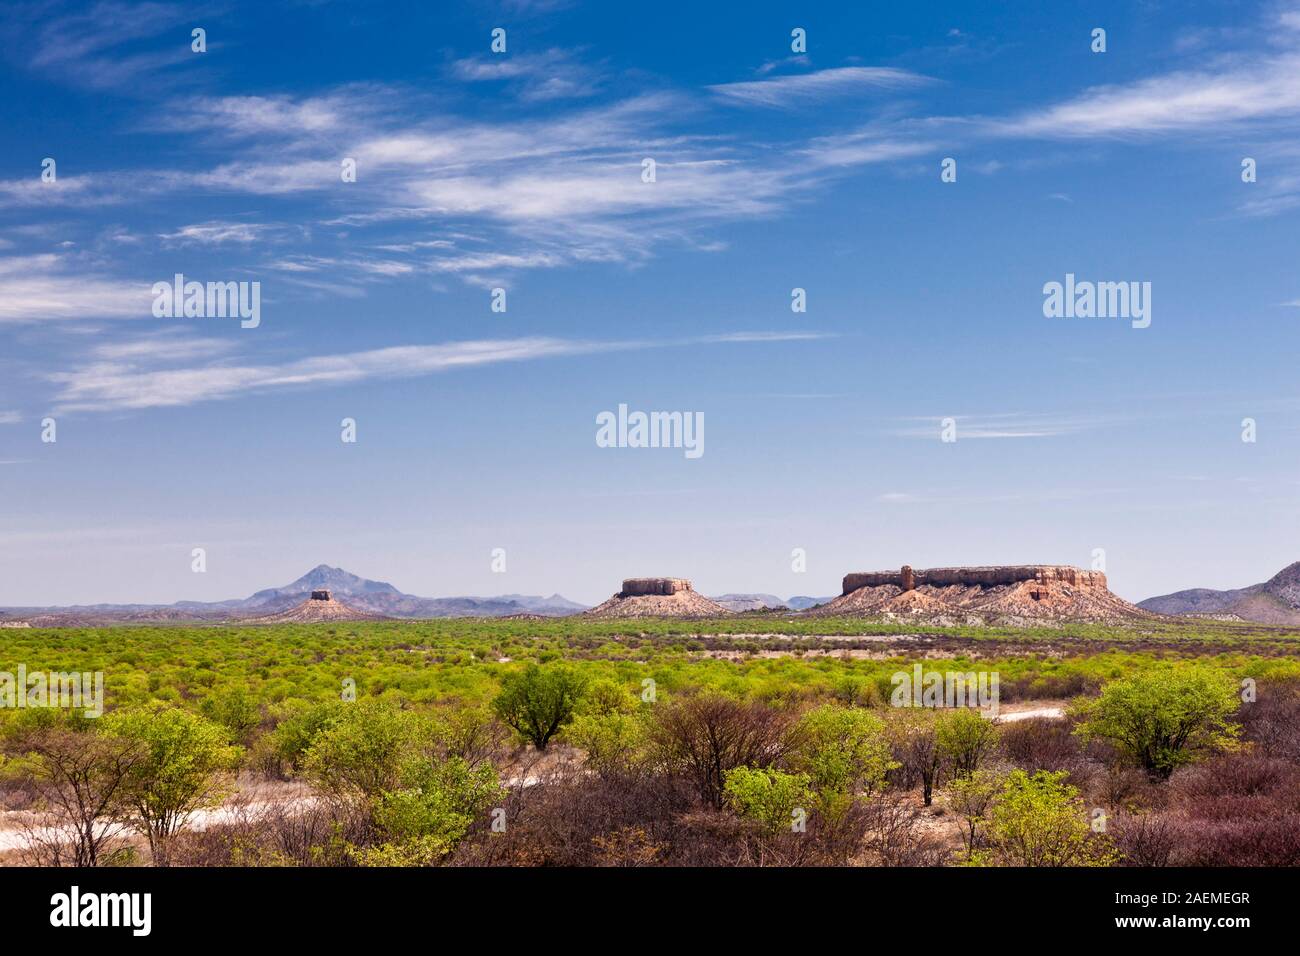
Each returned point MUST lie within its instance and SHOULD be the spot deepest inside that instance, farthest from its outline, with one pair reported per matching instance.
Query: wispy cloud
(216, 233)
(49, 286)
(550, 75)
(1239, 91)
(999, 426)
(78, 191)
(117, 378)
(930, 497)
(102, 45)
(800, 89)
(1230, 88)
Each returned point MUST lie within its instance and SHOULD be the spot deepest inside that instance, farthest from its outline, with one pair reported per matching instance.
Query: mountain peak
(1288, 575)
(1276, 601)
(335, 580)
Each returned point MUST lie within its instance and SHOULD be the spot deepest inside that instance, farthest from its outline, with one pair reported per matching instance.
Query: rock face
(320, 595)
(1005, 593)
(658, 597)
(636, 587)
(986, 577)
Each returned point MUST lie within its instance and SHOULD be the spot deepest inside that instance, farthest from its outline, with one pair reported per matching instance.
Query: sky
(775, 167)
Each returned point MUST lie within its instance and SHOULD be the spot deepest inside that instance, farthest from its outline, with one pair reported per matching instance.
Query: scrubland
(752, 740)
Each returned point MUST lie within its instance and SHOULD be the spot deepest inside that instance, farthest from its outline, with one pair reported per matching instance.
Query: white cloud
(802, 89)
(48, 287)
(87, 46)
(1239, 90)
(1000, 426)
(549, 75)
(123, 377)
(166, 346)
(65, 190)
(216, 233)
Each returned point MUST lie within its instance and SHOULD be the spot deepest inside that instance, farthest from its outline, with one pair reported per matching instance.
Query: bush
(425, 819)
(776, 801)
(1164, 718)
(965, 739)
(538, 701)
(615, 742)
(703, 737)
(1038, 743)
(843, 750)
(178, 771)
(1039, 820)
(363, 750)
(915, 746)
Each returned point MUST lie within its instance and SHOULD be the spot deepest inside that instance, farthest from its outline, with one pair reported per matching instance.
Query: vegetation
(1039, 820)
(1163, 718)
(175, 770)
(537, 702)
(585, 742)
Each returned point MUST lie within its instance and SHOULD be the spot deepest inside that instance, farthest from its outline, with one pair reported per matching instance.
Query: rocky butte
(1000, 593)
(907, 579)
(658, 597)
(320, 606)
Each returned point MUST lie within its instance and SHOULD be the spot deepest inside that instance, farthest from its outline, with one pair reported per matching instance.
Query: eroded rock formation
(633, 587)
(658, 597)
(1008, 593)
(984, 577)
(320, 606)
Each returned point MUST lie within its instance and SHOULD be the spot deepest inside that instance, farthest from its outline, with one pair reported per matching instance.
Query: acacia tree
(844, 752)
(419, 782)
(965, 739)
(916, 747)
(971, 797)
(1164, 718)
(703, 737)
(362, 753)
(538, 701)
(80, 779)
(182, 756)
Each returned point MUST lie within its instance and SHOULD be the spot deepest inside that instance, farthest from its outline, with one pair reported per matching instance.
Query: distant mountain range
(760, 602)
(373, 597)
(377, 598)
(1276, 601)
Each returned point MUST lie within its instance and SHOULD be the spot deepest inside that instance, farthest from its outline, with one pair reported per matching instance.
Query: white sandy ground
(249, 801)
(14, 837)
(1022, 712)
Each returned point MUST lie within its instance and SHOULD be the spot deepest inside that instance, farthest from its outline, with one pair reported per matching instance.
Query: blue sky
(475, 170)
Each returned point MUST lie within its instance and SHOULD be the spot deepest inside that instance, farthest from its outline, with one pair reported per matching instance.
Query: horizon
(495, 451)
(324, 566)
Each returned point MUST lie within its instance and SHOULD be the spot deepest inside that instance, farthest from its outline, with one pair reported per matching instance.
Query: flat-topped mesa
(908, 579)
(658, 597)
(633, 587)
